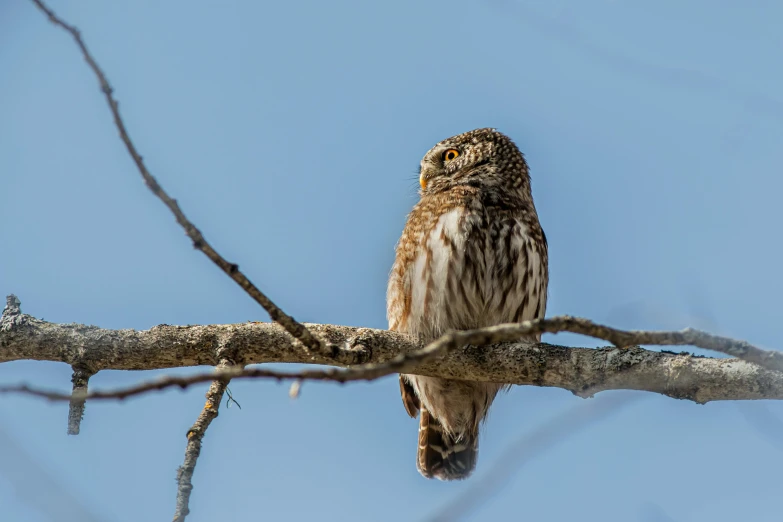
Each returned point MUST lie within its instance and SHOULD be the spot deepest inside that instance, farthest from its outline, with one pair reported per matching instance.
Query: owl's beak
(425, 173)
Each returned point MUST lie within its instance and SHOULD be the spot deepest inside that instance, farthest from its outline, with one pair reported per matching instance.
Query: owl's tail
(440, 455)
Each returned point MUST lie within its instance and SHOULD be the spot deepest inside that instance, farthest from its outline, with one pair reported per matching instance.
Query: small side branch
(80, 379)
(772, 360)
(193, 449)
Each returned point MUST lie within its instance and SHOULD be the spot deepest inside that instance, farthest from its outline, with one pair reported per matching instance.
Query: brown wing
(398, 307)
(525, 280)
(398, 295)
(409, 398)
(398, 302)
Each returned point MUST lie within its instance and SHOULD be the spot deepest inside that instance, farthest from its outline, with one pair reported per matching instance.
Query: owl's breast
(469, 270)
(444, 281)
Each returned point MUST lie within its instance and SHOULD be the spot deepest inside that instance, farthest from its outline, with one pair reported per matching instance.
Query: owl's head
(481, 158)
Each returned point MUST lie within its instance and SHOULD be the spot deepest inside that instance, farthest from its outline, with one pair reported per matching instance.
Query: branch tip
(195, 434)
(13, 306)
(80, 379)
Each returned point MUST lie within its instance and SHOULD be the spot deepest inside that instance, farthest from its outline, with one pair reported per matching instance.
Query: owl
(472, 254)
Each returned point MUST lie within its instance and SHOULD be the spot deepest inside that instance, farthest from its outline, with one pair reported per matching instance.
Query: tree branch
(583, 371)
(193, 449)
(80, 380)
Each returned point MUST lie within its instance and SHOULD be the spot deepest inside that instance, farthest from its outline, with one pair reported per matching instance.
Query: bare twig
(193, 449)
(80, 380)
(12, 314)
(293, 327)
(772, 360)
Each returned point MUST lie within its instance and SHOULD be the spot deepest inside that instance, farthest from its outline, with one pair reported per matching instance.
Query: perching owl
(472, 254)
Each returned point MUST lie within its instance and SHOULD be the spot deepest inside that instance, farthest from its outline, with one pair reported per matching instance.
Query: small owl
(472, 254)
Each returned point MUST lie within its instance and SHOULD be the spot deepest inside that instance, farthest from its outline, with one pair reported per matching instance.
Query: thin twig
(364, 372)
(293, 327)
(193, 449)
(772, 360)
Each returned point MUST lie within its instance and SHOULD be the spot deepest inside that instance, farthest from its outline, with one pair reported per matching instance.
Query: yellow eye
(450, 154)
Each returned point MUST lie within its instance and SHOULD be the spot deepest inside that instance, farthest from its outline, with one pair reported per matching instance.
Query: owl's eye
(450, 154)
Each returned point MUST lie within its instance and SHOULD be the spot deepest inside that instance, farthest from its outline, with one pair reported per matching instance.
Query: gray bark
(583, 371)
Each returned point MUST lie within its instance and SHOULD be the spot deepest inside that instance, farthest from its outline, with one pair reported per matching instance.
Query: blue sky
(290, 133)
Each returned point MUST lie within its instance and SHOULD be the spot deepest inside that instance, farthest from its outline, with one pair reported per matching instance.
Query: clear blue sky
(290, 132)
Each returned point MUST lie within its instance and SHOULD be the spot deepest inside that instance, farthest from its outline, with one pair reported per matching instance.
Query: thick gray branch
(581, 370)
